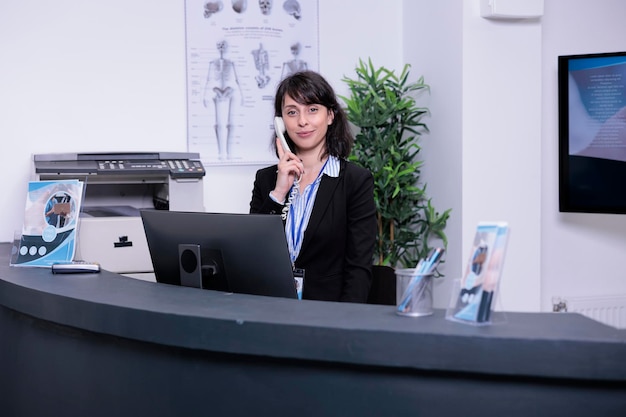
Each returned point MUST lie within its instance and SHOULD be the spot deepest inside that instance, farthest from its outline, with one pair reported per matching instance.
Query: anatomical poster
(237, 53)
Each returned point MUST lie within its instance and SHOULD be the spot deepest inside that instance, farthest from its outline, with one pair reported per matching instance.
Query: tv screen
(592, 133)
(241, 253)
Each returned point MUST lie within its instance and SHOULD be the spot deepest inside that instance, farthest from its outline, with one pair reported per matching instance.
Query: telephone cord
(292, 195)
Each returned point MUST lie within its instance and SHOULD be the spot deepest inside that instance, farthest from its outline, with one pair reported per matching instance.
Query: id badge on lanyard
(298, 277)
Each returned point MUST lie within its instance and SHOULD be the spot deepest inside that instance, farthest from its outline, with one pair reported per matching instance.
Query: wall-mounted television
(592, 133)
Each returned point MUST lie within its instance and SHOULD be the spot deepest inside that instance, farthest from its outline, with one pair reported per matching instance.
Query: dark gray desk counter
(126, 346)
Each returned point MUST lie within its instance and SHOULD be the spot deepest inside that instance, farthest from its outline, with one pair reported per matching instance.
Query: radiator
(610, 309)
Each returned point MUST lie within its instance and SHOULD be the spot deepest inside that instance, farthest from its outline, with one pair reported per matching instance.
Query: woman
(327, 202)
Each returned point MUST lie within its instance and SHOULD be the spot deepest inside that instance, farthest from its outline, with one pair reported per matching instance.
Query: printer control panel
(185, 168)
(177, 168)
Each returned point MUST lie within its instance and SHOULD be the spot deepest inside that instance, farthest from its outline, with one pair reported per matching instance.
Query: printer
(116, 187)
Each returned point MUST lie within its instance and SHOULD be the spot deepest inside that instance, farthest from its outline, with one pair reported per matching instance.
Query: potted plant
(389, 124)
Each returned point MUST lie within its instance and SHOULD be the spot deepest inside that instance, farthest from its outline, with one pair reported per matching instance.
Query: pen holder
(414, 293)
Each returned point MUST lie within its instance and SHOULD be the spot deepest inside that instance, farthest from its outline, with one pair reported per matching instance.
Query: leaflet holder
(117, 187)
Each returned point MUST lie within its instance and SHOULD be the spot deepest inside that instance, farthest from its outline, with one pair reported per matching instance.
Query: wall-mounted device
(117, 187)
(511, 9)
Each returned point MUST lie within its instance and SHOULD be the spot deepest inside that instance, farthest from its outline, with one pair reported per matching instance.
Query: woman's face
(306, 124)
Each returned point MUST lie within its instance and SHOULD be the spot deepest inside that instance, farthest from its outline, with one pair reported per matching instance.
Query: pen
(424, 267)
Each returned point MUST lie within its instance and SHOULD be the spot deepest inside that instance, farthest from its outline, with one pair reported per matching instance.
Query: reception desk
(108, 345)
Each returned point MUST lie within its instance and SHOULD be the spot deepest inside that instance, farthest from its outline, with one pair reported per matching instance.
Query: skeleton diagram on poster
(237, 53)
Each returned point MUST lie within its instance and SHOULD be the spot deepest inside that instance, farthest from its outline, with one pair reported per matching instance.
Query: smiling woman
(307, 125)
(330, 222)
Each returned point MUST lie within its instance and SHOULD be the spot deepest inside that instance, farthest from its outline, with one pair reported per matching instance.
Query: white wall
(502, 144)
(492, 150)
(483, 134)
(583, 254)
(433, 46)
(81, 76)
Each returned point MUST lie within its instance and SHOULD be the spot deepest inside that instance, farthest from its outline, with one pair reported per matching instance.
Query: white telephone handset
(279, 126)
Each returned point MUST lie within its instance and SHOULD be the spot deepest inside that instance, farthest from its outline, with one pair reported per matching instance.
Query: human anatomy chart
(237, 53)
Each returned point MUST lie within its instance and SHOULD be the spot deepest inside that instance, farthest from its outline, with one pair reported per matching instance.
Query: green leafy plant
(382, 106)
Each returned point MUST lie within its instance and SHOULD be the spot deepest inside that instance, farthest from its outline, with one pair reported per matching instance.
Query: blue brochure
(473, 301)
(50, 223)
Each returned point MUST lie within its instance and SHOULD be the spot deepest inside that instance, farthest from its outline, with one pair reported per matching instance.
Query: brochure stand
(474, 295)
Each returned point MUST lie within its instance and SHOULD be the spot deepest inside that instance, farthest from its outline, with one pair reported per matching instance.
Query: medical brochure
(48, 234)
(472, 300)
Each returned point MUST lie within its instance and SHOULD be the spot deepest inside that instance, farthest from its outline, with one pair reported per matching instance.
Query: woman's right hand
(290, 169)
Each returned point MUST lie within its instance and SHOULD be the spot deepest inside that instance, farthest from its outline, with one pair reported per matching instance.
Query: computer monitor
(240, 253)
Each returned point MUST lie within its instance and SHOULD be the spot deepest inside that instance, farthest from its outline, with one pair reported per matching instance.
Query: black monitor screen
(592, 133)
(241, 253)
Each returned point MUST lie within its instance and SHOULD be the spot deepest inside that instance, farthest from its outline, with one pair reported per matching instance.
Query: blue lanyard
(299, 214)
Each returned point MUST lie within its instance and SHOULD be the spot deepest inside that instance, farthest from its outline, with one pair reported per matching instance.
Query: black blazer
(338, 246)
